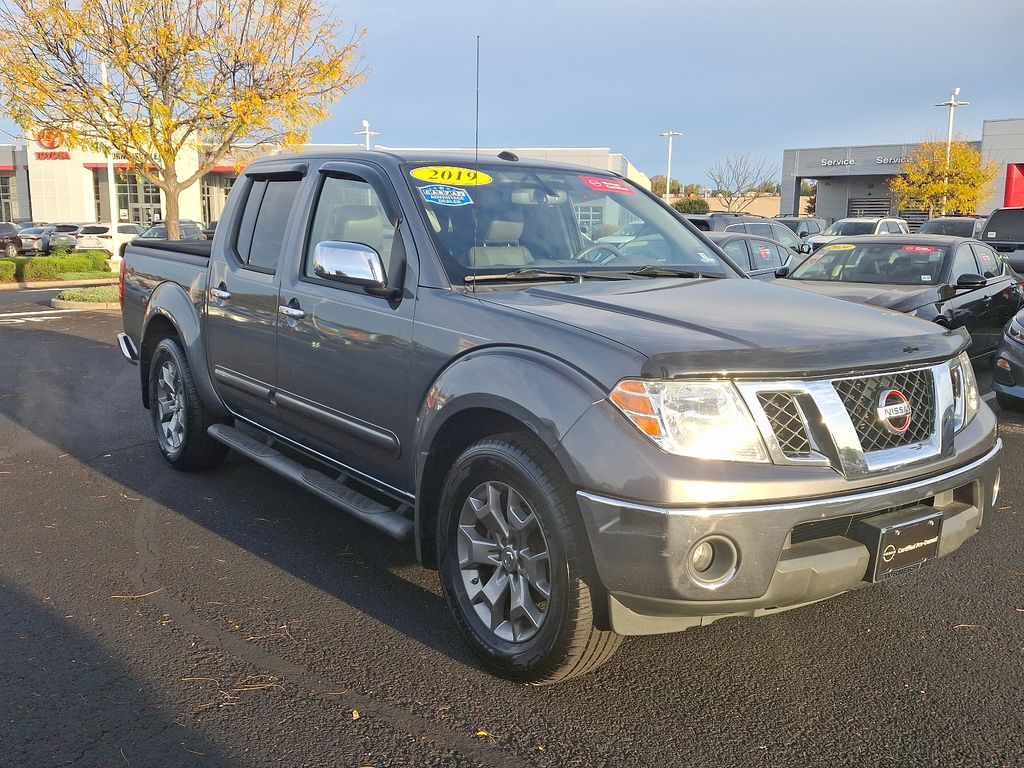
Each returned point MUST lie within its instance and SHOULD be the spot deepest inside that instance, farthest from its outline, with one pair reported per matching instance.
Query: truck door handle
(220, 294)
(293, 312)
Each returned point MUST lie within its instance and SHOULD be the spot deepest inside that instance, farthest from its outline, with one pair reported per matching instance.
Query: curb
(102, 306)
(56, 284)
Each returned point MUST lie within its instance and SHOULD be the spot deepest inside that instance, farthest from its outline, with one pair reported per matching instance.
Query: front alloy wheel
(503, 556)
(515, 565)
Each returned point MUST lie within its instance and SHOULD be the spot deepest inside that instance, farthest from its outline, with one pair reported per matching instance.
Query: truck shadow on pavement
(84, 401)
(69, 700)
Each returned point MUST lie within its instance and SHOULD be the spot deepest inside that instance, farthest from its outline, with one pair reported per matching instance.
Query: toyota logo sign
(894, 411)
(50, 138)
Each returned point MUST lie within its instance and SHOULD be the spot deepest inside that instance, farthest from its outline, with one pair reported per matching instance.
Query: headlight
(965, 392)
(701, 419)
(1015, 331)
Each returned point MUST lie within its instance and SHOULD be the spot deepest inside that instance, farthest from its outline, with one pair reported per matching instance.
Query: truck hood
(735, 327)
(901, 298)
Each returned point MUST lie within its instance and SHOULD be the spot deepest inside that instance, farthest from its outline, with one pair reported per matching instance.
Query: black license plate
(899, 541)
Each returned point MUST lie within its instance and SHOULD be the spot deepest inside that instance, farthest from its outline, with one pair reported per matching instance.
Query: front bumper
(1009, 381)
(641, 551)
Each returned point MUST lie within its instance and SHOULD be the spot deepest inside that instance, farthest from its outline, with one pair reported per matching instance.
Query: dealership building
(45, 180)
(854, 181)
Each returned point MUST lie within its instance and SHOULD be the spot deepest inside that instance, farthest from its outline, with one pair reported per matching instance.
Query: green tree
(658, 185)
(693, 189)
(929, 183)
(692, 205)
(809, 191)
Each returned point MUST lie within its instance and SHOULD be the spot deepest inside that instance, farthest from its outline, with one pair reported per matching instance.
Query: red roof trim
(6, 167)
(223, 169)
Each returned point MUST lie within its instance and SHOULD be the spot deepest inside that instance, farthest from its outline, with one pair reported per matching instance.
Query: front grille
(861, 396)
(784, 417)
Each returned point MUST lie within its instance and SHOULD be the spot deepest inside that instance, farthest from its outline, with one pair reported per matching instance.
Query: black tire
(1008, 403)
(10, 250)
(565, 643)
(193, 448)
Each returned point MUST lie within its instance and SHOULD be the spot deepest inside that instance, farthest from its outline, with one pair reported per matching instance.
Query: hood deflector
(849, 358)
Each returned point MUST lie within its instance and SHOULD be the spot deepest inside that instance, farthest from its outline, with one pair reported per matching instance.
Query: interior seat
(501, 247)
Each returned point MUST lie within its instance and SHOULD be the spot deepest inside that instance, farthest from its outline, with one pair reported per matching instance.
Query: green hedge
(27, 268)
(692, 205)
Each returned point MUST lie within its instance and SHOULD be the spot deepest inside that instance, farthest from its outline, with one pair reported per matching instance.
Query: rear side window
(264, 219)
(7, 229)
(1005, 225)
(766, 255)
(991, 265)
(737, 251)
(764, 230)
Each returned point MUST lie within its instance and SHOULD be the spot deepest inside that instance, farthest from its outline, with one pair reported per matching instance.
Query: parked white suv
(861, 225)
(99, 237)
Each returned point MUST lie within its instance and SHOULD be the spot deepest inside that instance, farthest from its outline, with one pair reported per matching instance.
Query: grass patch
(7, 270)
(100, 293)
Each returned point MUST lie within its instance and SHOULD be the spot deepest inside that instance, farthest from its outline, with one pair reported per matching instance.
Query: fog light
(1001, 363)
(702, 556)
(712, 561)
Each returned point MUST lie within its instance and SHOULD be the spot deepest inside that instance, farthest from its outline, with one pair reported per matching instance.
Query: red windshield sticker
(919, 248)
(765, 254)
(601, 184)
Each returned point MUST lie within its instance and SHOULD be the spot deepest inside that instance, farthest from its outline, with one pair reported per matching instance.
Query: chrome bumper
(128, 349)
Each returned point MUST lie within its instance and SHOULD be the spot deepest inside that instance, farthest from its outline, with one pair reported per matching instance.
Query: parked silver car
(35, 241)
(64, 236)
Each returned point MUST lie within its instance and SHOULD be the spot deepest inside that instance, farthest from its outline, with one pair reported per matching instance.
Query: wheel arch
(489, 392)
(170, 313)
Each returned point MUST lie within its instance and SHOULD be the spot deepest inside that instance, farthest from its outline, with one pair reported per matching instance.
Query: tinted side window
(1005, 225)
(991, 265)
(785, 236)
(350, 211)
(7, 229)
(963, 263)
(264, 219)
(813, 228)
(766, 255)
(764, 230)
(737, 250)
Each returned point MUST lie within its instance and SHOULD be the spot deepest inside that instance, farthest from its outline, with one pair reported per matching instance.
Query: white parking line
(39, 312)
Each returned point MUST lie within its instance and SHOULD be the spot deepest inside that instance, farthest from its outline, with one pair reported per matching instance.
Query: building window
(590, 218)
(139, 197)
(215, 190)
(6, 198)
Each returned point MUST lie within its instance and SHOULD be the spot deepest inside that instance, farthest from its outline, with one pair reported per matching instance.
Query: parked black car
(957, 226)
(1004, 231)
(189, 230)
(10, 242)
(953, 281)
(718, 221)
(1008, 371)
(773, 231)
(759, 257)
(803, 226)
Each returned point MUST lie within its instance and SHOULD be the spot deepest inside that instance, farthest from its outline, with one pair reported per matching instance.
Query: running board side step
(349, 500)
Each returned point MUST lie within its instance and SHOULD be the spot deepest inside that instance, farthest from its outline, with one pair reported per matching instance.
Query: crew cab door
(1002, 290)
(242, 305)
(344, 354)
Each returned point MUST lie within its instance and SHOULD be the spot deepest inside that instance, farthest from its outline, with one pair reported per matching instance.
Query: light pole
(952, 104)
(668, 177)
(366, 133)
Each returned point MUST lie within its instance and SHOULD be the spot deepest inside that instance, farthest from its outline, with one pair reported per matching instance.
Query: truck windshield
(888, 263)
(496, 219)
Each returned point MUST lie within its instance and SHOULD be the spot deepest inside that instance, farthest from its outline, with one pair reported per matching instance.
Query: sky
(735, 76)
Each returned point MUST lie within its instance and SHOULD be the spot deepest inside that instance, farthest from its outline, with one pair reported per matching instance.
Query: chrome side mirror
(350, 263)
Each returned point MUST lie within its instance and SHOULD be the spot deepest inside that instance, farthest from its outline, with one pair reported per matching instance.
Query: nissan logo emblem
(894, 411)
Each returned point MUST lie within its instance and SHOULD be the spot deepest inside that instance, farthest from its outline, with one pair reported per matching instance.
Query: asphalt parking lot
(153, 618)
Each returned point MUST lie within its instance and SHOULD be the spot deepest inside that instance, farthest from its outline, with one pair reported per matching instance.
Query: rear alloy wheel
(10, 250)
(180, 419)
(514, 563)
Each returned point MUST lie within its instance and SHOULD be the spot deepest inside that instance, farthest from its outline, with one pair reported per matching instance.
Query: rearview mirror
(805, 247)
(782, 272)
(970, 282)
(350, 263)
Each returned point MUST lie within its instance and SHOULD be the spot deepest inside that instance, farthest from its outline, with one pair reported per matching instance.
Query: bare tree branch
(739, 180)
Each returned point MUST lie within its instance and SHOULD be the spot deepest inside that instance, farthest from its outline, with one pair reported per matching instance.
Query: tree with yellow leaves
(928, 184)
(149, 80)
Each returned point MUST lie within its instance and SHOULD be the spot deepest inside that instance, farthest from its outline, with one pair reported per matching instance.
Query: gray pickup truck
(586, 439)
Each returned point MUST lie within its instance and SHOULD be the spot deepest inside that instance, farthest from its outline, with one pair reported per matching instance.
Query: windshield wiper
(539, 274)
(656, 270)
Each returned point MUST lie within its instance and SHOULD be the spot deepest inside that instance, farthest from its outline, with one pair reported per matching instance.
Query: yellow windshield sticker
(464, 177)
(840, 247)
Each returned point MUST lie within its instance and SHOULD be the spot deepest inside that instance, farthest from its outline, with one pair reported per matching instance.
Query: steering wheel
(587, 254)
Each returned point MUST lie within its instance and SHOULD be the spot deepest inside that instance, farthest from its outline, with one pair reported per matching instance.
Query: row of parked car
(34, 238)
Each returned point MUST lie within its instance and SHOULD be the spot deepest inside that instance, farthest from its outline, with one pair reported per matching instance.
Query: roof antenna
(476, 160)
